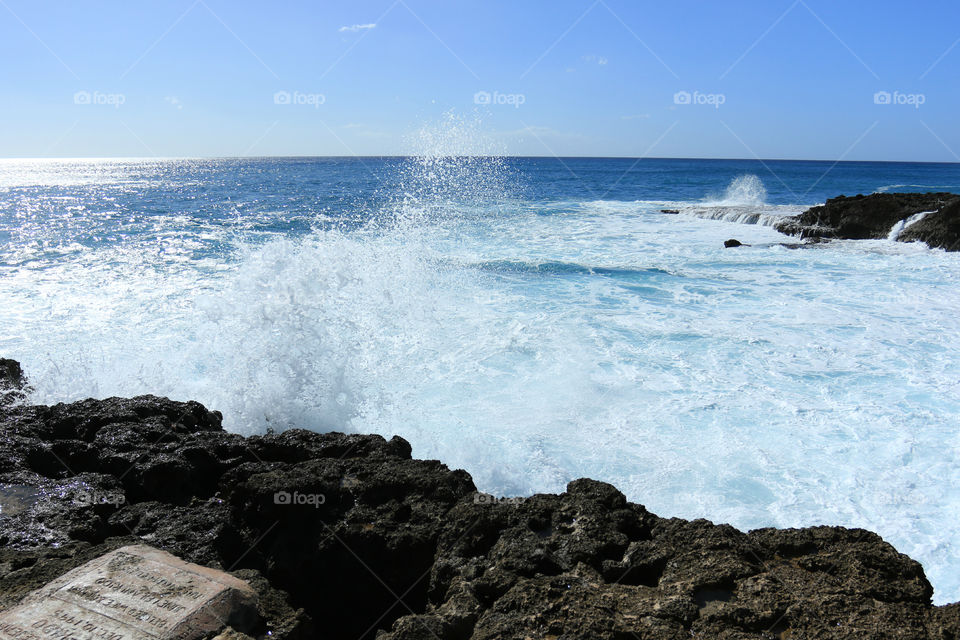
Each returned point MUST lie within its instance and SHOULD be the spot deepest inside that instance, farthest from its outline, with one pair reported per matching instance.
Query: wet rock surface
(874, 216)
(939, 229)
(12, 382)
(348, 536)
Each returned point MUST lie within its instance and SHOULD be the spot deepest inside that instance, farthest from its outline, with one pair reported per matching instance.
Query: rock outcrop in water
(347, 536)
(874, 216)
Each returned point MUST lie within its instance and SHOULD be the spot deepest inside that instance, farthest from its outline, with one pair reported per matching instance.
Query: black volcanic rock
(335, 524)
(588, 564)
(11, 375)
(873, 216)
(12, 382)
(348, 536)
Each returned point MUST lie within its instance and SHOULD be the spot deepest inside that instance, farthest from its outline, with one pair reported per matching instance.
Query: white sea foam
(764, 215)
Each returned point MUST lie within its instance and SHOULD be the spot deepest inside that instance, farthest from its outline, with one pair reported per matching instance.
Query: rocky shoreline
(348, 536)
(932, 218)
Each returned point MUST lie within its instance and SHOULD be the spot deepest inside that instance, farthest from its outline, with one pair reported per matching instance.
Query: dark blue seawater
(787, 182)
(297, 195)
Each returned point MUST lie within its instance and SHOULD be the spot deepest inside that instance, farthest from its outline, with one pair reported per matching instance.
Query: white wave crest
(745, 189)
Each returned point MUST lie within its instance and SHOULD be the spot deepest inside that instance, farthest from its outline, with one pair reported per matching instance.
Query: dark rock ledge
(873, 217)
(347, 536)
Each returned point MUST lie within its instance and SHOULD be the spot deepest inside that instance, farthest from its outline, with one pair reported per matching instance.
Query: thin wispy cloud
(594, 58)
(357, 27)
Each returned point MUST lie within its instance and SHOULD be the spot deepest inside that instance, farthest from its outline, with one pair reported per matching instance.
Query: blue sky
(807, 79)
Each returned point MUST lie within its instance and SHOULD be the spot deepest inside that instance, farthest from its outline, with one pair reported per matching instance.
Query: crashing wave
(764, 215)
(898, 228)
(743, 202)
(746, 189)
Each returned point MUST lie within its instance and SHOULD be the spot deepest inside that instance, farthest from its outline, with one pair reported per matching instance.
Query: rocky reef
(348, 536)
(933, 218)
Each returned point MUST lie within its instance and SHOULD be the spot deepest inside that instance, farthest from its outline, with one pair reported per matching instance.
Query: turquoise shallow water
(529, 320)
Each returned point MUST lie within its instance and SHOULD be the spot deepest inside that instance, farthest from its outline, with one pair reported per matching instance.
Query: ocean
(531, 320)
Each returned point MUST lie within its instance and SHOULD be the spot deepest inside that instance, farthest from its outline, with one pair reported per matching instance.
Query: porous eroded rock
(874, 216)
(78, 480)
(589, 564)
(348, 536)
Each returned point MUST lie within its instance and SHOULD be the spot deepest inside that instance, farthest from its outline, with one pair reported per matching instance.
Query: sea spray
(745, 189)
(454, 170)
(743, 202)
(338, 329)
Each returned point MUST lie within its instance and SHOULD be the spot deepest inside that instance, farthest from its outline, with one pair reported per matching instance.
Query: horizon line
(506, 156)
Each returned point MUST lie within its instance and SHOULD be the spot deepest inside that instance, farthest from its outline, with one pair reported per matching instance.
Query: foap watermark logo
(296, 498)
(97, 498)
(698, 98)
(690, 298)
(486, 498)
(299, 98)
(897, 98)
(486, 98)
(99, 98)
